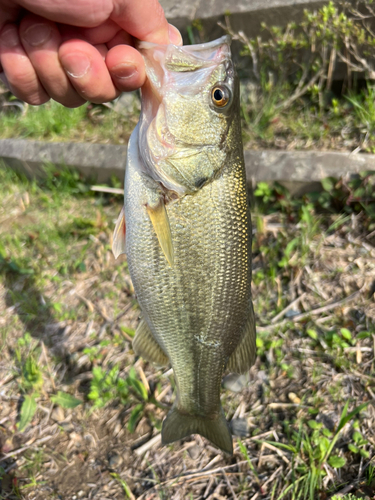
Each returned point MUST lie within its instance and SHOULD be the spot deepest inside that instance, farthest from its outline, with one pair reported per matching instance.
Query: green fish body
(188, 232)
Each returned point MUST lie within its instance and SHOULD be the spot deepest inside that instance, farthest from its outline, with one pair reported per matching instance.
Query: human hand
(75, 51)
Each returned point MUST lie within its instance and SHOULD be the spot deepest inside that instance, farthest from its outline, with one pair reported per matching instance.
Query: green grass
(61, 292)
(54, 122)
(345, 123)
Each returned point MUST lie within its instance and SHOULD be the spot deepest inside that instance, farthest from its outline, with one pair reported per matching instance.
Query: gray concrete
(245, 15)
(98, 162)
(301, 171)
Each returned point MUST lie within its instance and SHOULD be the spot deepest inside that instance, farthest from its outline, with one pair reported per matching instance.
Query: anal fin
(118, 244)
(244, 355)
(145, 345)
(160, 221)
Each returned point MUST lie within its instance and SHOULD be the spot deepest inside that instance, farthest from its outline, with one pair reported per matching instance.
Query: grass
(73, 394)
(346, 123)
(54, 122)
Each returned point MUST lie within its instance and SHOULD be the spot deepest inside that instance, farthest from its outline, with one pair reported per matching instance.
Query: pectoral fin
(160, 221)
(118, 244)
(145, 345)
(244, 355)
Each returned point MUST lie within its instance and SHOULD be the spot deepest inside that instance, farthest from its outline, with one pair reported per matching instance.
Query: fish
(186, 230)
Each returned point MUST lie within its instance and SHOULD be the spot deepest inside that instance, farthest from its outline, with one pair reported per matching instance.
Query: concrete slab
(245, 15)
(98, 162)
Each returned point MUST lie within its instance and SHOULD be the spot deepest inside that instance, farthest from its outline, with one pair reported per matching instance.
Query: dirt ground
(67, 316)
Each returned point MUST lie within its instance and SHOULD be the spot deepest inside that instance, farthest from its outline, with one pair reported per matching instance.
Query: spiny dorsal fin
(118, 244)
(159, 218)
(145, 345)
(244, 355)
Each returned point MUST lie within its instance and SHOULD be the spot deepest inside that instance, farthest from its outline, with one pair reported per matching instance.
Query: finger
(20, 74)
(101, 34)
(121, 38)
(126, 67)
(174, 35)
(143, 19)
(87, 71)
(102, 49)
(41, 40)
(9, 13)
(88, 13)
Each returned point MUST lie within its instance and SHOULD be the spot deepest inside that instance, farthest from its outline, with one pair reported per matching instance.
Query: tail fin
(178, 425)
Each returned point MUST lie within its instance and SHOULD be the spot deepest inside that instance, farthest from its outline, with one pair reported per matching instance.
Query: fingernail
(76, 65)
(124, 71)
(174, 35)
(37, 34)
(9, 37)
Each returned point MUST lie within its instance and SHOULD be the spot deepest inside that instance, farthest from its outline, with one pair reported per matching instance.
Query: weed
(96, 353)
(293, 102)
(370, 475)
(364, 108)
(107, 386)
(347, 195)
(311, 450)
(247, 458)
(359, 443)
(124, 485)
(66, 400)
(52, 121)
(27, 411)
(31, 377)
(349, 496)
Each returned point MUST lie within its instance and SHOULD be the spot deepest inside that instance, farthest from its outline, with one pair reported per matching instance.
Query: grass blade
(28, 410)
(65, 400)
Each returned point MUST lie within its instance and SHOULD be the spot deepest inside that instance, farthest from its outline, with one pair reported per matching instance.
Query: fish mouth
(165, 62)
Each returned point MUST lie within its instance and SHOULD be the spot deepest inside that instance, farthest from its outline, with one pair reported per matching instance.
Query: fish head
(188, 105)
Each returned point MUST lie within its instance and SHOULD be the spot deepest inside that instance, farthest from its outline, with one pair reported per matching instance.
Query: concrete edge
(99, 162)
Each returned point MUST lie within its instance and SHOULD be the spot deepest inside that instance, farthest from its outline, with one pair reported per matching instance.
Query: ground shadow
(24, 298)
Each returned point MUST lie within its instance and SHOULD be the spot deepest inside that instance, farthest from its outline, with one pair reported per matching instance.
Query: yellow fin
(160, 221)
(145, 345)
(118, 244)
(244, 355)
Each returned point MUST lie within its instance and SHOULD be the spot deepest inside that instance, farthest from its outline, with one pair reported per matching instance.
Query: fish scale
(196, 303)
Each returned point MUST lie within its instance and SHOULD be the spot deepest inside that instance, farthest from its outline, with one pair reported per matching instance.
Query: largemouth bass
(188, 231)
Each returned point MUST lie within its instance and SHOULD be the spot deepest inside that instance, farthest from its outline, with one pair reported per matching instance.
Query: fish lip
(226, 39)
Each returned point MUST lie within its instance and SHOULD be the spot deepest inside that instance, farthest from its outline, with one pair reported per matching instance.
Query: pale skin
(75, 51)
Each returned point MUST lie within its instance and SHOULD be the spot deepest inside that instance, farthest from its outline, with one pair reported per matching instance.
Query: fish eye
(220, 95)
